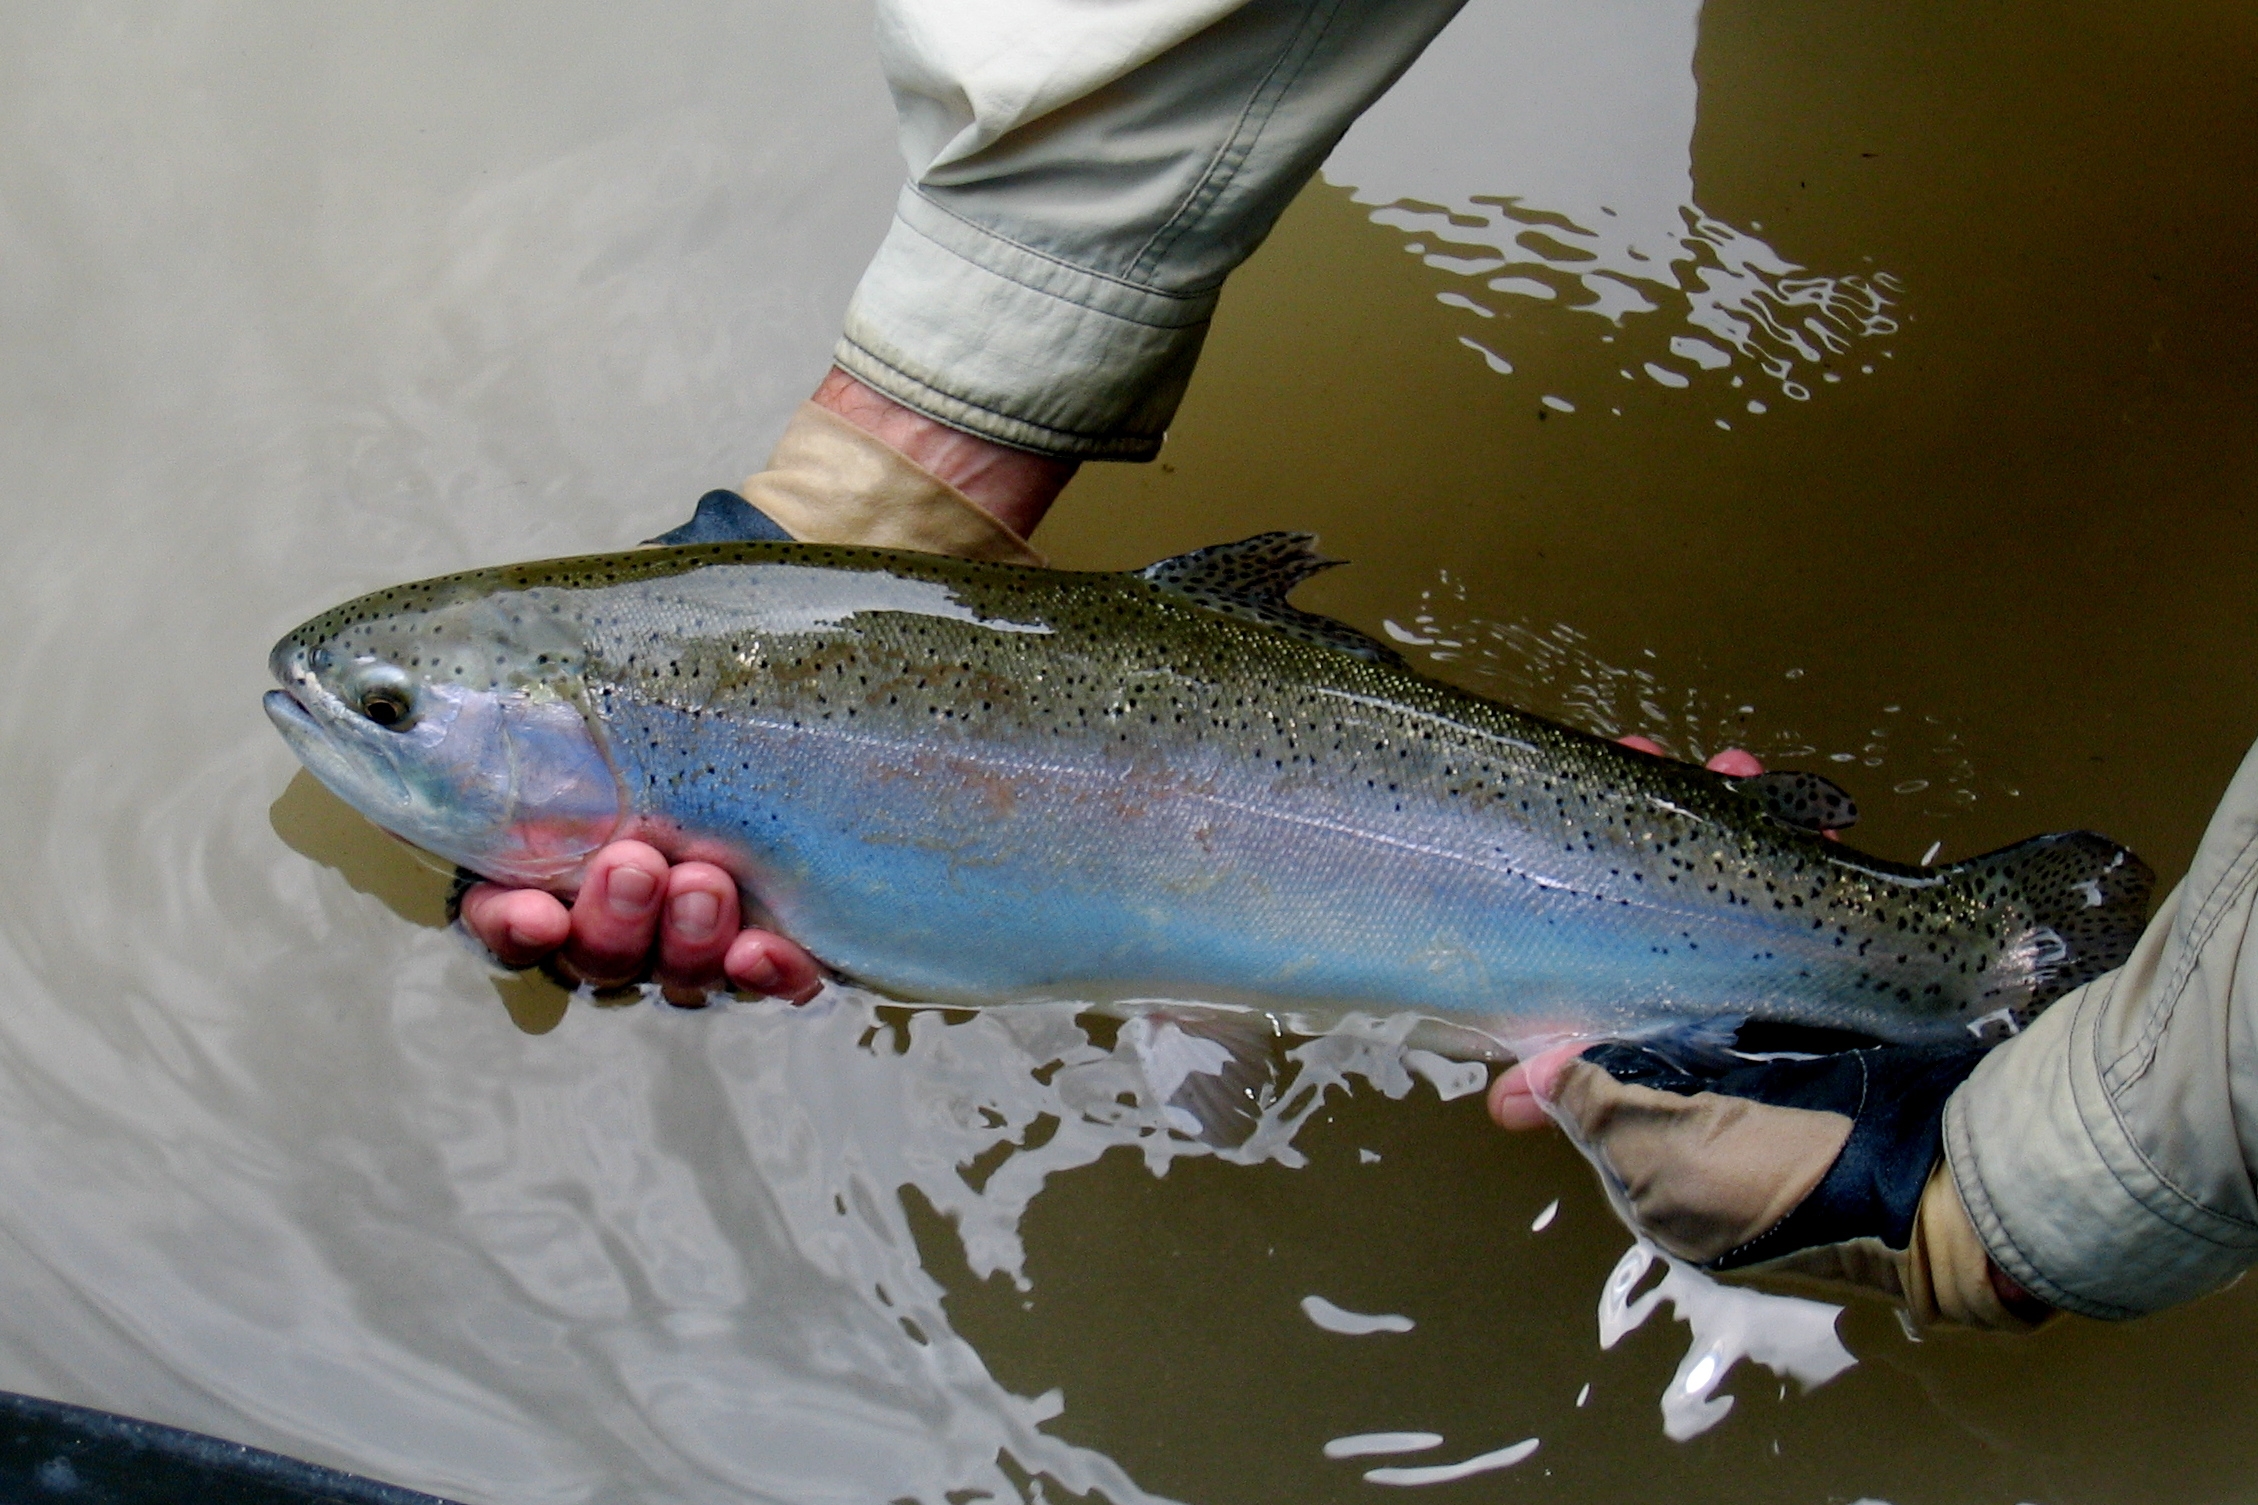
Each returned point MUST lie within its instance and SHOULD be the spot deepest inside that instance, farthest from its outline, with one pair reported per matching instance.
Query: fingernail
(629, 892)
(694, 916)
(761, 977)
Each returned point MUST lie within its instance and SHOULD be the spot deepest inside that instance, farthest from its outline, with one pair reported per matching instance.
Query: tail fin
(2082, 898)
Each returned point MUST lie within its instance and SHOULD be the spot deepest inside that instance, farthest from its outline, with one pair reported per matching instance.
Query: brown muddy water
(1873, 386)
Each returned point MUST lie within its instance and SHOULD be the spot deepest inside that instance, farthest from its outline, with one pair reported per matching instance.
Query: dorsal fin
(725, 517)
(1800, 799)
(1249, 580)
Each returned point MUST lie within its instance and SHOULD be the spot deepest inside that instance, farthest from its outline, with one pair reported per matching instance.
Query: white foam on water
(1337, 1319)
(1451, 1079)
(1381, 1444)
(1169, 1055)
(1491, 358)
(1447, 1473)
(1792, 1337)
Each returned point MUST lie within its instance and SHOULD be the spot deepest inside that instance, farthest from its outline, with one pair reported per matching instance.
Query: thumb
(1518, 1098)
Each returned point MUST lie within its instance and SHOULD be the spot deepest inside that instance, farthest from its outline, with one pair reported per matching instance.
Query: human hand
(1828, 1166)
(863, 469)
(635, 910)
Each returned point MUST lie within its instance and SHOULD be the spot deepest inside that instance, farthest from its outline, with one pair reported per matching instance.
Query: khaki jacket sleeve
(2105, 1154)
(1082, 180)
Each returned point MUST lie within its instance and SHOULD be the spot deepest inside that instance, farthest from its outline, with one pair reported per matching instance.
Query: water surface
(299, 302)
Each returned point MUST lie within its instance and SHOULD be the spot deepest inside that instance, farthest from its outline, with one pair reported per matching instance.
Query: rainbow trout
(972, 783)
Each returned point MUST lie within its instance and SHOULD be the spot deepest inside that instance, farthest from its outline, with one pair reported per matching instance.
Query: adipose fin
(1803, 800)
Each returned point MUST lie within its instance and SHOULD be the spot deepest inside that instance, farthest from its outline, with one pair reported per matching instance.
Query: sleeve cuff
(986, 335)
(2058, 1187)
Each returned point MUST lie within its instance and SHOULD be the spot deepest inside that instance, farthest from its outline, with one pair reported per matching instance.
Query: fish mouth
(291, 708)
(355, 779)
(289, 715)
(296, 709)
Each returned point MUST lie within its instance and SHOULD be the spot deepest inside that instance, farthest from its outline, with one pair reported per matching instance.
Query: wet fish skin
(968, 782)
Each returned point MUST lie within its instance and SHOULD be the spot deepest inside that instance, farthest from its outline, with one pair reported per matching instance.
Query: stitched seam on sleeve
(1076, 269)
(2239, 875)
(1222, 169)
(1114, 442)
(2175, 1198)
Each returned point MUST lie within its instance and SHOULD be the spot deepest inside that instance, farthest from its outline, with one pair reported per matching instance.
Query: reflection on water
(410, 882)
(1542, 149)
(317, 824)
(1905, 757)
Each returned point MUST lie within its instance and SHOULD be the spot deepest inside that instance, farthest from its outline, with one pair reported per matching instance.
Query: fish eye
(385, 696)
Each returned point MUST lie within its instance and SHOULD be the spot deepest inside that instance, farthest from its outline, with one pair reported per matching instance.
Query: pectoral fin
(1213, 1073)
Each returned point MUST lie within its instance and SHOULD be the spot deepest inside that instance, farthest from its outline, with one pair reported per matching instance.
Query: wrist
(1014, 486)
(2019, 1303)
(833, 481)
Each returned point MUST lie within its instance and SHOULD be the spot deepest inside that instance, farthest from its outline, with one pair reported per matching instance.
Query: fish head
(456, 718)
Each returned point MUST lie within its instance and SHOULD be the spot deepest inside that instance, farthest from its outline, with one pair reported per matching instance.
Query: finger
(615, 917)
(1735, 763)
(1517, 1098)
(1513, 1105)
(760, 961)
(519, 925)
(1643, 744)
(695, 930)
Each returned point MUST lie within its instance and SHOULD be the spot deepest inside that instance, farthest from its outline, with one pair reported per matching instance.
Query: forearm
(1082, 181)
(2105, 1155)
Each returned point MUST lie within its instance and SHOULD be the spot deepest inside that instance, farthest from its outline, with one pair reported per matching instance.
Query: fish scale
(970, 782)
